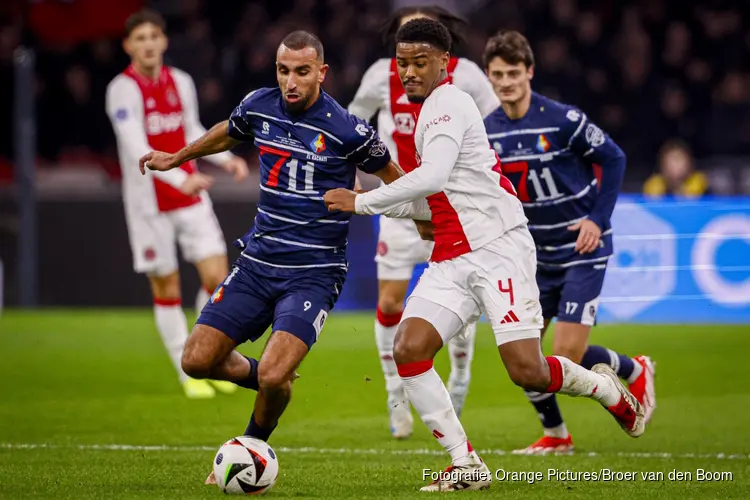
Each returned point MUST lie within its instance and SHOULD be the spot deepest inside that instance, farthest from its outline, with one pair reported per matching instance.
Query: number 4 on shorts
(508, 289)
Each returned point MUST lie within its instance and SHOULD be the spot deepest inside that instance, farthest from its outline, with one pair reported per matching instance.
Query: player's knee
(411, 345)
(389, 304)
(165, 287)
(212, 282)
(274, 378)
(194, 365)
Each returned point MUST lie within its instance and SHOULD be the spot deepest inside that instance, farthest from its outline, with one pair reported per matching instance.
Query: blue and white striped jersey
(565, 169)
(301, 157)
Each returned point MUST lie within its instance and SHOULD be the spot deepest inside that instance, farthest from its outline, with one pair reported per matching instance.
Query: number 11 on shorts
(508, 289)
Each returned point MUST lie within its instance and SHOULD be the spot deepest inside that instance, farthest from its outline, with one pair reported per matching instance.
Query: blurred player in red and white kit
(400, 246)
(153, 106)
(484, 260)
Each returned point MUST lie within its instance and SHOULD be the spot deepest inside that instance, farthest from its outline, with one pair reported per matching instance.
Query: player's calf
(209, 353)
(276, 372)
(525, 364)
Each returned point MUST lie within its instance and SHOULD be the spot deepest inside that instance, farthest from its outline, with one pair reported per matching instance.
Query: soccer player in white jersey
(152, 106)
(400, 246)
(484, 261)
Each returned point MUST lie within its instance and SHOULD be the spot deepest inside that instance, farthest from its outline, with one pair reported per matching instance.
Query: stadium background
(648, 72)
(90, 405)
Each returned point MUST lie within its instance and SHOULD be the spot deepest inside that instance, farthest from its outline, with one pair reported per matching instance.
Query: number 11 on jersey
(294, 165)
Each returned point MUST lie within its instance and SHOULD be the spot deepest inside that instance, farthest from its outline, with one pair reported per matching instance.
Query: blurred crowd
(652, 73)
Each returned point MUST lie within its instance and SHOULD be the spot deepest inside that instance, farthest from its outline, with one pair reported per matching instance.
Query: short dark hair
(510, 46)
(144, 16)
(456, 25)
(425, 30)
(298, 40)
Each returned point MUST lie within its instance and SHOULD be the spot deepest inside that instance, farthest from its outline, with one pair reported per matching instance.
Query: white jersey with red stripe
(478, 204)
(381, 91)
(161, 114)
(400, 247)
(148, 115)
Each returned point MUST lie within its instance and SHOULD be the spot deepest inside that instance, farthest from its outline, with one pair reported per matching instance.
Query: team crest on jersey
(218, 295)
(542, 144)
(172, 97)
(318, 144)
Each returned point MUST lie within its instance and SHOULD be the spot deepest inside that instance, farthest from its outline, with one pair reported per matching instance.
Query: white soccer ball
(245, 465)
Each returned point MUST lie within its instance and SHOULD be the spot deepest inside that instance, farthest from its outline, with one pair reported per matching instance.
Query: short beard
(416, 99)
(298, 107)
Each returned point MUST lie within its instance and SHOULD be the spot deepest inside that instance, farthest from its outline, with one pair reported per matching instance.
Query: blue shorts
(571, 294)
(255, 296)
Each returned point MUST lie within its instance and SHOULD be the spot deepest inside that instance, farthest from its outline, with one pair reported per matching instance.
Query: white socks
(201, 300)
(574, 380)
(172, 326)
(385, 333)
(461, 350)
(430, 398)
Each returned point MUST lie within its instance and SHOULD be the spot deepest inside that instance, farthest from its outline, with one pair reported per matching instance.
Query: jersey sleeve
(369, 96)
(595, 147)
(448, 119)
(124, 106)
(471, 79)
(438, 160)
(194, 129)
(240, 123)
(365, 149)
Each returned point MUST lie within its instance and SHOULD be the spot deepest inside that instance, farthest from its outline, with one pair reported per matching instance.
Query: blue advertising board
(675, 261)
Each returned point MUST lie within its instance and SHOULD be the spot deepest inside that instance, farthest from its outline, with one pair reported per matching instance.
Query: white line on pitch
(356, 451)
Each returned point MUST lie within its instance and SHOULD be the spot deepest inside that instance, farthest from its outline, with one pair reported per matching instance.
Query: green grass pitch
(73, 384)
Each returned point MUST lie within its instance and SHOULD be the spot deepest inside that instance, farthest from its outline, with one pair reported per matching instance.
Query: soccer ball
(245, 465)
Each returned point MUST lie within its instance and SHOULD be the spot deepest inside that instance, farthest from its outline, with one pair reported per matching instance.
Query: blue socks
(621, 364)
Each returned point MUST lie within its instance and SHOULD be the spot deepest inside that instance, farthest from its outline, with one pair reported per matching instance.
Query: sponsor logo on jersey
(266, 128)
(573, 115)
(437, 121)
(157, 123)
(318, 144)
(542, 144)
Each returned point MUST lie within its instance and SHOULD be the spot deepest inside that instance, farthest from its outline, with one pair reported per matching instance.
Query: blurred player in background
(400, 246)
(153, 106)
(567, 173)
(483, 261)
(293, 265)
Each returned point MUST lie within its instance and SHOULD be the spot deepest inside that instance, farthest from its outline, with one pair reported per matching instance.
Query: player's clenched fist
(340, 199)
(157, 160)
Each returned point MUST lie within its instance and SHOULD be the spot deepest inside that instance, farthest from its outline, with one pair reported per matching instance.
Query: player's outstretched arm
(439, 158)
(216, 140)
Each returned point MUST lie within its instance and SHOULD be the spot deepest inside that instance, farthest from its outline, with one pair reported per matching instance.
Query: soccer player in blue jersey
(293, 262)
(567, 173)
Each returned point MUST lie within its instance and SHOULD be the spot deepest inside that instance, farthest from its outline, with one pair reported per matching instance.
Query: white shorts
(497, 280)
(153, 237)
(400, 248)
